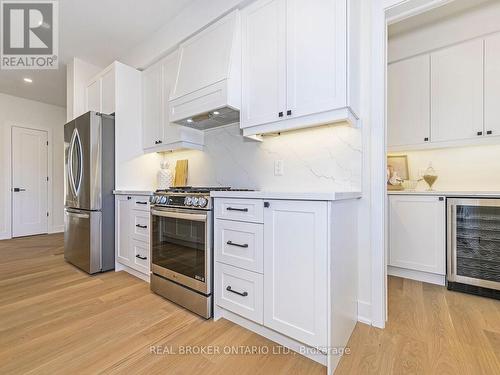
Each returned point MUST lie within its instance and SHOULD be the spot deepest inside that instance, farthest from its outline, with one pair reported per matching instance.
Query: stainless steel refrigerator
(89, 214)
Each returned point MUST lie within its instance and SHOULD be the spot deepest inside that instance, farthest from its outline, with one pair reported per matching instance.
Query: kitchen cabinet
(492, 85)
(457, 92)
(417, 236)
(296, 270)
(132, 234)
(408, 102)
(283, 86)
(287, 269)
(158, 133)
(100, 95)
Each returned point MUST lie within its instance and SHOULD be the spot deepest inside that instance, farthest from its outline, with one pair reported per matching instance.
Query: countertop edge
(132, 192)
(311, 196)
(488, 194)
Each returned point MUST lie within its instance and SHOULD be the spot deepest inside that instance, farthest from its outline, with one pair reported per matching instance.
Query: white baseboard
(364, 312)
(56, 229)
(139, 275)
(425, 277)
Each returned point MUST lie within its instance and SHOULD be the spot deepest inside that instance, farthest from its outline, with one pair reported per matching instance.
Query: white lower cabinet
(295, 270)
(132, 223)
(417, 236)
(288, 272)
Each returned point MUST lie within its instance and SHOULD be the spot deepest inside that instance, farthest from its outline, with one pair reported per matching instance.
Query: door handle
(141, 257)
(244, 294)
(17, 190)
(237, 244)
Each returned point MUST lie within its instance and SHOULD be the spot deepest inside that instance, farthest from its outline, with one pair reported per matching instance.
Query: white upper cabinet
(492, 85)
(152, 105)
(100, 92)
(93, 96)
(264, 56)
(294, 64)
(158, 132)
(316, 56)
(408, 102)
(457, 92)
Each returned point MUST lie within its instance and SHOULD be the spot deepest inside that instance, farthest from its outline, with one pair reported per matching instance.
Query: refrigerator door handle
(80, 162)
(75, 142)
(77, 214)
(70, 164)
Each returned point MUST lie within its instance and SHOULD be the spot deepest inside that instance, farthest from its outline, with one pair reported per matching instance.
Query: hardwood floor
(55, 319)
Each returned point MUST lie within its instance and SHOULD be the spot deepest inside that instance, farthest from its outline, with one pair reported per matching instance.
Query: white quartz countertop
(448, 193)
(306, 196)
(132, 192)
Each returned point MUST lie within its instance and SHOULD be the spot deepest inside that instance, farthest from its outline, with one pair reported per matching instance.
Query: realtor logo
(29, 37)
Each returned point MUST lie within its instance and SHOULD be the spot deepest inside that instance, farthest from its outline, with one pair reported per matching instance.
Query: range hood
(207, 90)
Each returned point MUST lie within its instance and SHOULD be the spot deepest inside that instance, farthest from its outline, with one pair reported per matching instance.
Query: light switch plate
(279, 168)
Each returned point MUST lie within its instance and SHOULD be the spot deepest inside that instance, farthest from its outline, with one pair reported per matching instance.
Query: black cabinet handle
(237, 244)
(441, 198)
(237, 209)
(267, 204)
(141, 257)
(17, 190)
(244, 294)
(160, 142)
(479, 133)
(140, 202)
(129, 198)
(426, 139)
(489, 132)
(289, 112)
(280, 114)
(141, 226)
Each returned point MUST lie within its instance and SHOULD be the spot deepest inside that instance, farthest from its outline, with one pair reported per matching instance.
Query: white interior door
(29, 182)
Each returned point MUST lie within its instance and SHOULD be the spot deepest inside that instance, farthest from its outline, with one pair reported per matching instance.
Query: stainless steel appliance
(89, 143)
(182, 247)
(474, 246)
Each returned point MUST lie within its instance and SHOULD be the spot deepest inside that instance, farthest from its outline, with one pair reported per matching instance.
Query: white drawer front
(141, 256)
(140, 222)
(251, 210)
(239, 291)
(239, 244)
(141, 203)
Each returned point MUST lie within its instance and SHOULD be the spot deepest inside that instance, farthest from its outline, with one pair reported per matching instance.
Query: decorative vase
(430, 176)
(165, 177)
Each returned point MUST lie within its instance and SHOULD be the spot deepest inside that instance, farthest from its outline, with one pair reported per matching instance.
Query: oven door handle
(180, 215)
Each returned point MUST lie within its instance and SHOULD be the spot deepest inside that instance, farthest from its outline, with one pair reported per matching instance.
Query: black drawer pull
(141, 226)
(244, 294)
(140, 202)
(280, 114)
(289, 112)
(489, 132)
(237, 209)
(141, 257)
(237, 244)
(479, 133)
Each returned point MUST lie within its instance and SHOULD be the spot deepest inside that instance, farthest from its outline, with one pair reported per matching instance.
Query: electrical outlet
(279, 168)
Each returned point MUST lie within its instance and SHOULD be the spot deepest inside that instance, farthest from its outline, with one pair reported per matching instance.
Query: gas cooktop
(192, 197)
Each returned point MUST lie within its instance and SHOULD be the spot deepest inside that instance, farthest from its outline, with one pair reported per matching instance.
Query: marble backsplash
(326, 158)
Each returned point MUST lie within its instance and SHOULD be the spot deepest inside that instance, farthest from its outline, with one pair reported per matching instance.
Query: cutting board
(181, 173)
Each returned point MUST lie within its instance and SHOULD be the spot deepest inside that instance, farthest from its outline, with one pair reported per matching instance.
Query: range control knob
(156, 199)
(163, 200)
(188, 201)
(196, 201)
(203, 202)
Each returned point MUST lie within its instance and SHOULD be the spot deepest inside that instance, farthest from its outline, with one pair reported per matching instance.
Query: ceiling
(96, 31)
(450, 9)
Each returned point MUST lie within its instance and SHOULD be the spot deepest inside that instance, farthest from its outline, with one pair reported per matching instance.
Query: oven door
(181, 247)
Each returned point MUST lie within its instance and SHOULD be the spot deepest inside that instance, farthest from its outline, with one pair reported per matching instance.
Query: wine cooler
(474, 246)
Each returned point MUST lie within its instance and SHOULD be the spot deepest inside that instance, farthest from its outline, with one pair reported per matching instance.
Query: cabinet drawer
(141, 203)
(251, 210)
(141, 256)
(239, 244)
(239, 291)
(140, 225)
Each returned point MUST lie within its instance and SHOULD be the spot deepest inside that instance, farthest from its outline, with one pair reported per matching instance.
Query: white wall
(464, 168)
(468, 25)
(78, 74)
(319, 159)
(31, 114)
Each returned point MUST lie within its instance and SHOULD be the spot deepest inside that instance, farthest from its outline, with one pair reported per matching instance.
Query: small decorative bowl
(410, 184)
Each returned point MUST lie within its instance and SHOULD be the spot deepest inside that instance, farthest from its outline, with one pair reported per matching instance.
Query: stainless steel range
(182, 247)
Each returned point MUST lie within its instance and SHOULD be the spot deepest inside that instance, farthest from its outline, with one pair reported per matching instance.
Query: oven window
(179, 246)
